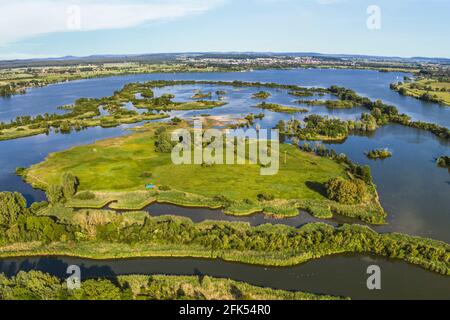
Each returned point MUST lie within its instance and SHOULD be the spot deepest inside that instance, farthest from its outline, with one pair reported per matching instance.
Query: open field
(426, 89)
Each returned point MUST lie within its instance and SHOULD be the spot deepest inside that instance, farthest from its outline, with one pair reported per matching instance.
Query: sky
(55, 28)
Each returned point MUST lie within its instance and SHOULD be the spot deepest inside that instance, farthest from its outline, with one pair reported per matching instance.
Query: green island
(102, 234)
(200, 95)
(280, 108)
(379, 154)
(35, 285)
(263, 95)
(318, 128)
(117, 170)
(430, 89)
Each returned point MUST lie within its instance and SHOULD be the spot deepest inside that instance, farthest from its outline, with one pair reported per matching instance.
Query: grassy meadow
(122, 164)
(440, 89)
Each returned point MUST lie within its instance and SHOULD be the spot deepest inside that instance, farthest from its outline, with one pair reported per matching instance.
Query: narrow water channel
(340, 275)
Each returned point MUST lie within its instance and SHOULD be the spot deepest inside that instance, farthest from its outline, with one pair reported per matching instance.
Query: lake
(413, 190)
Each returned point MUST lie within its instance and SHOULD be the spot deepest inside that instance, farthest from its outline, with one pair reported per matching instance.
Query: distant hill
(172, 57)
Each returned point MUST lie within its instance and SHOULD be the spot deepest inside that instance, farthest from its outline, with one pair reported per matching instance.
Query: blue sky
(48, 28)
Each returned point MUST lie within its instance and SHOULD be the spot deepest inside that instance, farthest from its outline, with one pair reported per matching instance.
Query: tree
(345, 191)
(69, 185)
(11, 206)
(55, 194)
(164, 143)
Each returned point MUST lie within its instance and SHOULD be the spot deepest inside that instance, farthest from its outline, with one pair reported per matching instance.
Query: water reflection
(340, 275)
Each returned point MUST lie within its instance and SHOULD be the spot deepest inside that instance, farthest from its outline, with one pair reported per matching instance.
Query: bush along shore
(35, 285)
(99, 234)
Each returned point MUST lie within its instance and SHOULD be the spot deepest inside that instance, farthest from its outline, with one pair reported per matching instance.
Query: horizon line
(306, 53)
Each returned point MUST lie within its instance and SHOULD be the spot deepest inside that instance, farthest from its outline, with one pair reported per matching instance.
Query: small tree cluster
(345, 191)
(66, 190)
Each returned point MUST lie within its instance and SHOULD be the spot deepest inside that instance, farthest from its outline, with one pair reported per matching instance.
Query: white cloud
(27, 18)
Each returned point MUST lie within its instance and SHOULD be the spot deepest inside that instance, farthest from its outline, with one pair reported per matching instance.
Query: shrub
(55, 194)
(37, 206)
(87, 195)
(165, 188)
(265, 197)
(344, 191)
(164, 143)
(146, 175)
(222, 199)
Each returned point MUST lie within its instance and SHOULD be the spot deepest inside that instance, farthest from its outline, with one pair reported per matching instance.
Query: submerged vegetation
(318, 128)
